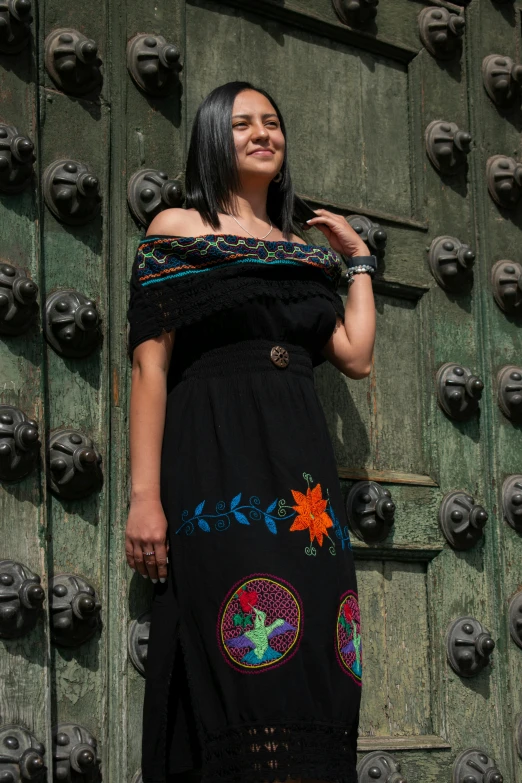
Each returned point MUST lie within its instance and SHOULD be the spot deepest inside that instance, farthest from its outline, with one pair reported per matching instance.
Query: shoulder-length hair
(211, 175)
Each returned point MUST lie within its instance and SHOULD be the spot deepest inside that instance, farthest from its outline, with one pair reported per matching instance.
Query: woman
(254, 658)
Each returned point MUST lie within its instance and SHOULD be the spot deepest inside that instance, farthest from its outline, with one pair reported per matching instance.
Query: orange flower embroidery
(311, 513)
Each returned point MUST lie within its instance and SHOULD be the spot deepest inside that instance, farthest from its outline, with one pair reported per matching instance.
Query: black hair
(211, 174)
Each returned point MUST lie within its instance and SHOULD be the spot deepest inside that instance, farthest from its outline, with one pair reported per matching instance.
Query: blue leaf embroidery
(271, 525)
(235, 501)
(204, 525)
(241, 518)
(199, 509)
(271, 506)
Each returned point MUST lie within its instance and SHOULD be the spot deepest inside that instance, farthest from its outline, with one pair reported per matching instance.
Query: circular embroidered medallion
(260, 623)
(348, 636)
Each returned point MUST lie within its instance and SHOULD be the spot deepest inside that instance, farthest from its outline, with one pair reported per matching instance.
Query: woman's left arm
(350, 348)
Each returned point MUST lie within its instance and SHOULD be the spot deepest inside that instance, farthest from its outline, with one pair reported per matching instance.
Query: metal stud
(458, 390)
(512, 501)
(72, 323)
(451, 263)
(19, 444)
(15, 20)
(468, 646)
(138, 640)
(370, 511)
(356, 12)
(515, 618)
(509, 392)
(370, 232)
(441, 32)
(22, 757)
(380, 766)
(18, 305)
(72, 61)
(74, 464)
(504, 179)
(71, 191)
(153, 63)
(447, 146)
(502, 79)
(75, 754)
(475, 766)
(21, 599)
(461, 520)
(506, 284)
(75, 610)
(16, 159)
(150, 191)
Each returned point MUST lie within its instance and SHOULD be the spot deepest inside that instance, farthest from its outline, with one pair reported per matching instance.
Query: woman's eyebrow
(248, 116)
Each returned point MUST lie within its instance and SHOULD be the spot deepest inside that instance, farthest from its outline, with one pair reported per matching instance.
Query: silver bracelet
(349, 274)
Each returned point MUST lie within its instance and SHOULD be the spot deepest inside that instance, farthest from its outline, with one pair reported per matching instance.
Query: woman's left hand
(339, 233)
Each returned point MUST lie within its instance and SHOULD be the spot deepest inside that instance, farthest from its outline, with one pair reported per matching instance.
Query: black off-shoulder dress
(254, 658)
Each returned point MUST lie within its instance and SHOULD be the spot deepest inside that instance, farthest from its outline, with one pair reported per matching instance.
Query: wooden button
(279, 356)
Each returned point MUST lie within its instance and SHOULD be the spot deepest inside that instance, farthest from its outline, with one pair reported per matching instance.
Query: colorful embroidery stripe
(163, 258)
(167, 274)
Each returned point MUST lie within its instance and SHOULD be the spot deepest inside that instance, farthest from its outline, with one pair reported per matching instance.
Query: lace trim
(266, 754)
(166, 307)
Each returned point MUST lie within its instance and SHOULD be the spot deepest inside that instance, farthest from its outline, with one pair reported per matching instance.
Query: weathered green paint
(356, 105)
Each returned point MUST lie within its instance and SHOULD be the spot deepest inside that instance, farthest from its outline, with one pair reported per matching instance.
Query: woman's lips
(262, 153)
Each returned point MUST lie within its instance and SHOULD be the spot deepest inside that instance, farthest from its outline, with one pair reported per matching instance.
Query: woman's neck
(250, 205)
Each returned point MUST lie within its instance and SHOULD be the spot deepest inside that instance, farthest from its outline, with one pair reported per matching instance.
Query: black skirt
(254, 659)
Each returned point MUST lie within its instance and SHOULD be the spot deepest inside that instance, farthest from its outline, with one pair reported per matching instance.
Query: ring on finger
(149, 553)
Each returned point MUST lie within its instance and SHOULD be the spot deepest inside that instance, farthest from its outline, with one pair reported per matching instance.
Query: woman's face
(259, 140)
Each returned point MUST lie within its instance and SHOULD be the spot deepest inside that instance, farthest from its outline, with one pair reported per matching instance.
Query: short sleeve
(142, 317)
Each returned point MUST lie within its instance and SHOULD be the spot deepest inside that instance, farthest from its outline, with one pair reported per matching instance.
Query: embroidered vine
(221, 520)
(312, 512)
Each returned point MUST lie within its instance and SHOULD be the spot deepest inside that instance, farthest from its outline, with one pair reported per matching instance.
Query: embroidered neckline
(166, 257)
(252, 240)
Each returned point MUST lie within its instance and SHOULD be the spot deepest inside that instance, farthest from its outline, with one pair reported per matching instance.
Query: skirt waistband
(252, 356)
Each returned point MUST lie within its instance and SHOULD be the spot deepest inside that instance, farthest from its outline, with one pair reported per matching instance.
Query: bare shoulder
(176, 222)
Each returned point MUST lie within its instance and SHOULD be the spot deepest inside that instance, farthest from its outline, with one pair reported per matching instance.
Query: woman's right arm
(146, 529)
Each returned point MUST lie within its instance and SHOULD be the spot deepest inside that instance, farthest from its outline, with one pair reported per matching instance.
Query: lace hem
(164, 308)
(266, 754)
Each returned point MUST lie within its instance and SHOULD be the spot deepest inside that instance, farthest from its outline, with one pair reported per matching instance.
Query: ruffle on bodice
(179, 281)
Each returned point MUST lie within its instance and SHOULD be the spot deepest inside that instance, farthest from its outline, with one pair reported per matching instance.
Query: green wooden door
(357, 99)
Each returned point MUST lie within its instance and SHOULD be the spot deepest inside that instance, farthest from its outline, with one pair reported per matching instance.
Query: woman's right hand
(146, 531)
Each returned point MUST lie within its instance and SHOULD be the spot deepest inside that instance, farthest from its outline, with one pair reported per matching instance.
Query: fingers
(323, 216)
(161, 561)
(153, 566)
(150, 563)
(139, 559)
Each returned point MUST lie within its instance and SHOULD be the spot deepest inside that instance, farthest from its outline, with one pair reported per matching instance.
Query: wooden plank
(24, 663)
(497, 235)
(145, 132)
(77, 389)
(386, 476)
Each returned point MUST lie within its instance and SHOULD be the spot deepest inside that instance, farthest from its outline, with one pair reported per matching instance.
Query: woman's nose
(260, 132)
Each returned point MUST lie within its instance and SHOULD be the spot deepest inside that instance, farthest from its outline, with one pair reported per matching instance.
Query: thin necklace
(249, 232)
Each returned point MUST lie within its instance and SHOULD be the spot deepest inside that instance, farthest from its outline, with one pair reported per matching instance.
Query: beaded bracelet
(354, 265)
(349, 275)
